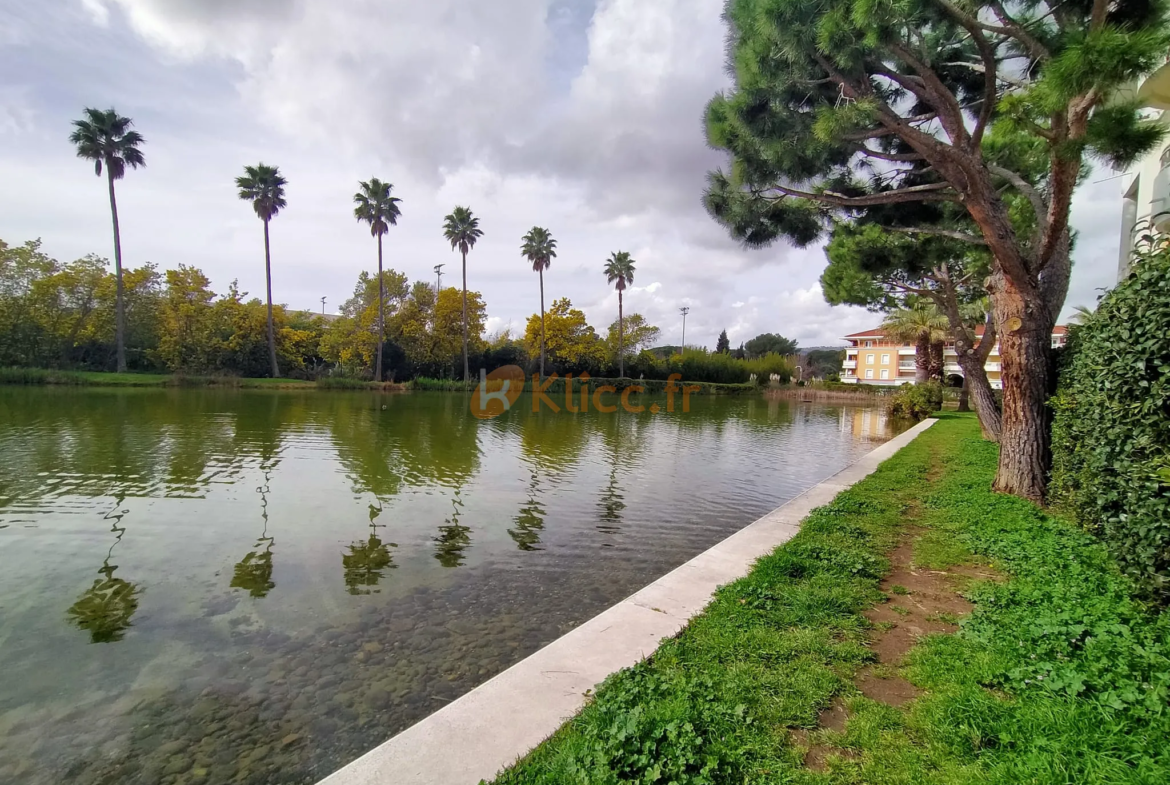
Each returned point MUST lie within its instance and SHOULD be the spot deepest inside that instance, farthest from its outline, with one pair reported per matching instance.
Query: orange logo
(496, 391)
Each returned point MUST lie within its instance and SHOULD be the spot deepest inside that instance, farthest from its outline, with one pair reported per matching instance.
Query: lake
(258, 586)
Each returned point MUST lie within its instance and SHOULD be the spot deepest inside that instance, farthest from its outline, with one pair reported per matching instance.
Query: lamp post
(684, 311)
(322, 306)
(439, 276)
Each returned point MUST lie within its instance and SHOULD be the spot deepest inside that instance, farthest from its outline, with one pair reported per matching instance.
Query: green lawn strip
(1059, 676)
(773, 649)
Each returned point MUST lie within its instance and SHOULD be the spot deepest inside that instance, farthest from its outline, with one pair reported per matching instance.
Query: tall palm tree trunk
(621, 339)
(119, 302)
(922, 358)
(268, 281)
(466, 369)
(542, 335)
(381, 318)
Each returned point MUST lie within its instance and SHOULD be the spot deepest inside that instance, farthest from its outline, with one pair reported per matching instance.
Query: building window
(869, 359)
(885, 373)
(869, 344)
(869, 373)
(885, 359)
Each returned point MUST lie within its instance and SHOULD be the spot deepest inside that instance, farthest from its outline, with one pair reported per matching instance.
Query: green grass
(1058, 676)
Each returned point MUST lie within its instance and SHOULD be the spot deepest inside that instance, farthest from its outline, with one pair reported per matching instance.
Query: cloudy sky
(583, 116)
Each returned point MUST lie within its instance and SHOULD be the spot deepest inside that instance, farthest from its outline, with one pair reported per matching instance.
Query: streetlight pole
(322, 306)
(684, 311)
(439, 276)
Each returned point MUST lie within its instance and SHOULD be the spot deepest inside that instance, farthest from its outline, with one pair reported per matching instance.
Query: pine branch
(954, 234)
(916, 193)
(1014, 29)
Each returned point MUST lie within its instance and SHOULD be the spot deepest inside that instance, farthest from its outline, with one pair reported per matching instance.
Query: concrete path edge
(501, 720)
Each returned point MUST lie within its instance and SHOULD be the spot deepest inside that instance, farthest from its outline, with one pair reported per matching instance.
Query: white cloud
(454, 102)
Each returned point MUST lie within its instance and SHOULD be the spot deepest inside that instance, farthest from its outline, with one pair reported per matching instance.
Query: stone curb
(489, 728)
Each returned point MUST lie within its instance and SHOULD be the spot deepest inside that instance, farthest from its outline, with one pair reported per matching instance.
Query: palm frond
(104, 137)
(619, 270)
(539, 248)
(263, 186)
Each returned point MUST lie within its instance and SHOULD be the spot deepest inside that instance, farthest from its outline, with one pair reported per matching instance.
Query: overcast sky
(582, 116)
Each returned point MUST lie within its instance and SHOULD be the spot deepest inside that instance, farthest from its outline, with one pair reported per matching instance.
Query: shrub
(915, 401)
(1111, 433)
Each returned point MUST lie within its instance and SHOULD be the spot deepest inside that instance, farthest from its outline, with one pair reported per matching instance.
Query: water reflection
(105, 609)
(364, 564)
(253, 573)
(454, 538)
(529, 522)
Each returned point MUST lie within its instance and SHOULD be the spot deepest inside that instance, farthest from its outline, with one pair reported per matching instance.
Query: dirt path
(920, 602)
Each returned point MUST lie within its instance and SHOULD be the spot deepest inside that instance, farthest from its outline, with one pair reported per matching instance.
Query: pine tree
(723, 345)
(971, 119)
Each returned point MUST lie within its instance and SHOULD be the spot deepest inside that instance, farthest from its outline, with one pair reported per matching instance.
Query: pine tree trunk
(466, 368)
(268, 282)
(922, 358)
(621, 339)
(381, 319)
(1026, 353)
(976, 383)
(543, 339)
(965, 396)
(119, 301)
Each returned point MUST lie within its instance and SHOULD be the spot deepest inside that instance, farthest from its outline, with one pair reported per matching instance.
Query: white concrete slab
(502, 719)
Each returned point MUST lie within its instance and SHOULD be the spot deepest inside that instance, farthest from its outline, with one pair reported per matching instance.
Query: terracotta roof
(1059, 329)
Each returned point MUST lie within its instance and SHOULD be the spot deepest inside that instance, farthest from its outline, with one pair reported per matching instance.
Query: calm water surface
(251, 586)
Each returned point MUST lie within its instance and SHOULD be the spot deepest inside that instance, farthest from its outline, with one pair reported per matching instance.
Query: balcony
(993, 367)
(907, 364)
(849, 364)
(952, 368)
(907, 350)
(1155, 89)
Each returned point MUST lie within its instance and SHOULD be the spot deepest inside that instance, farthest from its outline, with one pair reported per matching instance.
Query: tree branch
(1025, 188)
(916, 193)
(943, 100)
(906, 158)
(1015, 30)
(955, 234)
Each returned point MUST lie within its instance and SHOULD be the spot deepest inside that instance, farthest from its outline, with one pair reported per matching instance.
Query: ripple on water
(239, 586)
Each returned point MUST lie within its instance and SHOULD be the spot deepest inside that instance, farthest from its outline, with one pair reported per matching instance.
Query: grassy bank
(1057, 676)
(557, 386)
(41, 376)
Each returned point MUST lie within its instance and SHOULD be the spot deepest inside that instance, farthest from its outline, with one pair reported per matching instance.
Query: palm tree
(461, 229)
(539, 248)
(619, 270)
(1081, 315)
(923, 324)
(380, 210)
(105, 138)
(263, 186)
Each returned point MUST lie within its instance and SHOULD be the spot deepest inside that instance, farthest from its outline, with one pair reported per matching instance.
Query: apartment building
(872, 358)
(1146, 184)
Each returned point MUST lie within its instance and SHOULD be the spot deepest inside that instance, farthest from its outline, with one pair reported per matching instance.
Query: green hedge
(1111, 433)
(557, 386)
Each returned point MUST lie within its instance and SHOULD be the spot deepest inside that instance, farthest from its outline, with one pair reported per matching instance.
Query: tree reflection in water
(366, 560)
(530, 521)
(253, 573)
(105, 609)
(453, 538)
